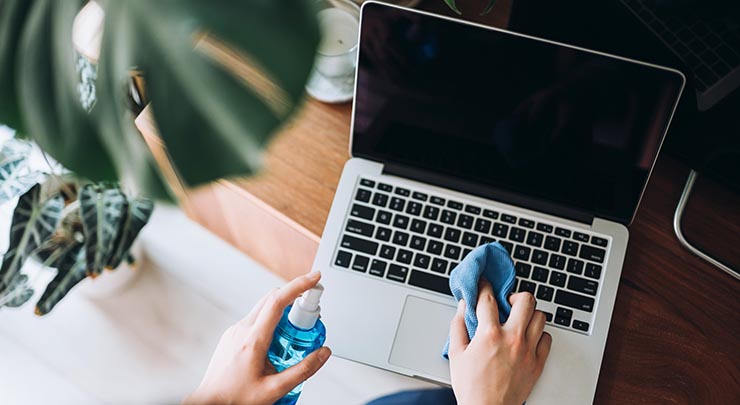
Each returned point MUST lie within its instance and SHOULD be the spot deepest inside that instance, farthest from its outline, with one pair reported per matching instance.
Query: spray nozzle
(306, 308)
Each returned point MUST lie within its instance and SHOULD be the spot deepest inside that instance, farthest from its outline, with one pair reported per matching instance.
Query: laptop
(464, 135)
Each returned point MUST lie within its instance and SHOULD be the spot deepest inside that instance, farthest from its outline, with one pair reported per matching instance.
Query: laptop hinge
(488, 192)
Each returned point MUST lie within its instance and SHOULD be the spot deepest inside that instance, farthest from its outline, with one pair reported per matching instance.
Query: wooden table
(674, 334)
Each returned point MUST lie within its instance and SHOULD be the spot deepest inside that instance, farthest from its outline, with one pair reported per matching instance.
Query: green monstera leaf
(34, 221)
(205, 112)
(13, 14)
(102, 213)
(137, 215)
(15, 176)
(71, 269)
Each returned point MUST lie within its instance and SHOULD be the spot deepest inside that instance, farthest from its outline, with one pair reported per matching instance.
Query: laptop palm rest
(420, 337)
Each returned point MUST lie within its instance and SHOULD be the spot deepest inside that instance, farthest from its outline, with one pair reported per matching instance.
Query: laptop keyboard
(417, 238)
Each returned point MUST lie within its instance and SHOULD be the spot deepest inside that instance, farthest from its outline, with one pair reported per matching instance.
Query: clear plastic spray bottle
(299, 333)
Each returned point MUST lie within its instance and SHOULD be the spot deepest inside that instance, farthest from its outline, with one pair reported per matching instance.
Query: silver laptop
(464, 135)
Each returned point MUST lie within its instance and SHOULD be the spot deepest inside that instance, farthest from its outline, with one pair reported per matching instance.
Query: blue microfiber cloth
(491, 261)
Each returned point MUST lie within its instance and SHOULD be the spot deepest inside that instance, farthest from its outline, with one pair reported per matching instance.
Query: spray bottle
(299, 333)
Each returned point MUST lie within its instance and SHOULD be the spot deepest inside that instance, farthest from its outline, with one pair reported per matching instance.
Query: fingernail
(314, 275)
(324, 354)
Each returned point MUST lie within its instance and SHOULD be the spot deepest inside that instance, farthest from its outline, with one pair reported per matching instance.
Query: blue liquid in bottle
(299, 333)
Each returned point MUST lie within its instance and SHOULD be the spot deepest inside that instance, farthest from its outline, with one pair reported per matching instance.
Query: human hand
(502, 363)
(239, 372)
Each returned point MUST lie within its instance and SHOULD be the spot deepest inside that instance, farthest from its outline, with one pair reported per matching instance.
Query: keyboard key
(402, 192)
(383, 234)
(508, 218)
(363, 195)
(576, 301)
(522, 269)
(377, 268)
(507, 245)
(582, 285)
(580, 325)
(465, 221)
(435, 230)
(414, 208)
(485, 239)
(527, 286)
(500, 230)
(563, 316)
(517, 234)
(544, 228)
(465, 252)
(490, 214)
(516, 285)
(527, 223)
(575, 266)
(400, 238)
(360, 228)
(552, 244)
(448, 217)
(439, 266)
(380, 199)
(430, 281)
(482, 225)
(570, 248)
(397, 204)
(397, 273)
(558, 279)
(562, 232)
(363, 212)
(435, 247)
(452, 235)
(431, 212)
(539, 257)
(421, 261)
(360, 263)
(417, 242)
(548, 316)
(418, 226)
(454, 205)
(580, 236)
(385, 187)
(534, 239)
(360, 245)
(452, 252)
(343, 259)
(562, 321)
(437, 201)
(419, 196)
(592, 253)
(470, 239)
(367, 183)
(540, 274)
(453, 266)
(522, 252)
(599, 242)
(545, 293)
(404, 256)
(384, 217)
(470, 209)
(557, 261)
(593, 271)
(387, 252)
(401, 221)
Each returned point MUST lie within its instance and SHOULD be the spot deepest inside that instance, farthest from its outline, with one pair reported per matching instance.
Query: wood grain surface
(675, 331)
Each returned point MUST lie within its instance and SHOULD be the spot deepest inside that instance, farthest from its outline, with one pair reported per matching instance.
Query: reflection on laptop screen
(542, 120)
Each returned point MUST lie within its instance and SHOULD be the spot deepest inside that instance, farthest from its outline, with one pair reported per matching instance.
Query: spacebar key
(360, 245)
(430, 282)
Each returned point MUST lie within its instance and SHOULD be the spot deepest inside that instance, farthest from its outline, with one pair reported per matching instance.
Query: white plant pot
(112, 282)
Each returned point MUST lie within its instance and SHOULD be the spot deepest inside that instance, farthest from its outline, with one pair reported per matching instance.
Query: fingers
(459, 339)
(272, 309)
(535, 328)
(289, 378)
(522, 307)
(543, 347)
(487, 309)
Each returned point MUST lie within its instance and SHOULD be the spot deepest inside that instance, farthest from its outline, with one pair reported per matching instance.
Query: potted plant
(76, 227)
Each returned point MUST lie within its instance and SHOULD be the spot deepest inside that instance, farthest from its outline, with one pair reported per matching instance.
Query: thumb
(289, 378)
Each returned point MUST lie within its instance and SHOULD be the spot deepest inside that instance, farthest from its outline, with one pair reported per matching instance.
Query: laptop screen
(540, 120)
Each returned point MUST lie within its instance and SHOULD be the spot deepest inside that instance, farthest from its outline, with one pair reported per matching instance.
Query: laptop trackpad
(421, 336)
